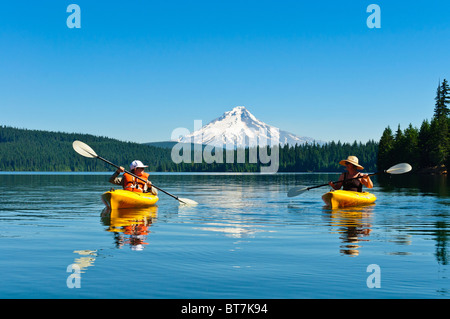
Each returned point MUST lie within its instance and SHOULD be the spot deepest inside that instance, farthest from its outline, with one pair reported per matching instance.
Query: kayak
(119, 198)
(341, 198)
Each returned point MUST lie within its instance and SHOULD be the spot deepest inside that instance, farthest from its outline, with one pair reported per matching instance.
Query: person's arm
(151, 189)
(115, 179)
(366, 181)
(337, 185)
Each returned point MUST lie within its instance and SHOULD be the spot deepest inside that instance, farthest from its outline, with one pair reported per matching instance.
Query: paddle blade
(188, 202)
(84, 149)
(399, 168)
(296, 191)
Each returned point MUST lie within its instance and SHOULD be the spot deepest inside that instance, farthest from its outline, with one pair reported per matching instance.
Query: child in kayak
(352, 166)
(131, 183)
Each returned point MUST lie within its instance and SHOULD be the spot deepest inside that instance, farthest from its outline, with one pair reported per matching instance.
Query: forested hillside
(424, 147)
(33, 150)
(325, 158)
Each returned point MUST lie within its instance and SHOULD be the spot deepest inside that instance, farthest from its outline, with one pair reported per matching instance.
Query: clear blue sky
(136, 70)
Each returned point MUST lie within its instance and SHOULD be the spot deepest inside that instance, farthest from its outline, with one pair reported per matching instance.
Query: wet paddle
(396, 169)
(86, 151)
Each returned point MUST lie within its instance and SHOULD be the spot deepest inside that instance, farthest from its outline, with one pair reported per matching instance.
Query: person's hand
(121, 169)
(364, 176)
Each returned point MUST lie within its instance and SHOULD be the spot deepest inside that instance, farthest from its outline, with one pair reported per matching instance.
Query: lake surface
(245, 239)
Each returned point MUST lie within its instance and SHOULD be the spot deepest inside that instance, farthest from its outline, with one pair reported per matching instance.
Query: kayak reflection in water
(131, 183)
(130, 227)
(352, 166)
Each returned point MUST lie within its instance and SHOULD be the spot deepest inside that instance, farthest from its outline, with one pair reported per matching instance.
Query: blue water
(245, 239)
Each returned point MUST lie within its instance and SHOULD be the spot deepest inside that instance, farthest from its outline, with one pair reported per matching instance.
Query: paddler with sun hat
(130, 183)
(352, 167)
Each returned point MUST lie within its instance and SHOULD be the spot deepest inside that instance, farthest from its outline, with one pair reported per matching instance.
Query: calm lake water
(245, 239)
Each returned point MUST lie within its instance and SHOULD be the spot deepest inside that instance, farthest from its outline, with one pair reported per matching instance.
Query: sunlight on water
(245, 239)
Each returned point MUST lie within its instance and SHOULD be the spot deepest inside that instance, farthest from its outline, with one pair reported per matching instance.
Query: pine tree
(411, 146)
(439, 128)
(385, 149)
(424, 144)
(445, 97)
(437, 105)
(439, 140)
(441, 108)
(399, 146)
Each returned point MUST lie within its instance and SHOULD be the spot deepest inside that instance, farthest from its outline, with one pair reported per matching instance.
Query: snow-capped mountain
(240, 128)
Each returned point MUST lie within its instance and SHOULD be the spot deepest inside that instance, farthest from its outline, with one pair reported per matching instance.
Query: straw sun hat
(352, 160)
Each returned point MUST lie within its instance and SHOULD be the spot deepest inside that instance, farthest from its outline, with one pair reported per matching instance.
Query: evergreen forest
(424, 147)
(35, 150)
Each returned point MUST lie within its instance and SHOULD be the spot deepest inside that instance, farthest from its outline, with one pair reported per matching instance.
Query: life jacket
(131, 183)
(353, 185)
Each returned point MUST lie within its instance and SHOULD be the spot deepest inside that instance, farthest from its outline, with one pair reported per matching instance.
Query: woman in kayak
(131, 183)
(352, 165)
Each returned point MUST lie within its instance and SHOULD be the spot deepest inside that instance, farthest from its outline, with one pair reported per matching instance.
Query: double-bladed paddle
(396, 169)
(86, 151)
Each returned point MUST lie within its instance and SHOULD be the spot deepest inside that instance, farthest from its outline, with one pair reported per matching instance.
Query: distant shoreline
(158, 173)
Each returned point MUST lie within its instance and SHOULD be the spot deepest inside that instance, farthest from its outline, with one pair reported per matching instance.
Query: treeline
(299, 158)
(424, 147)
(326, 157)
(34, 150)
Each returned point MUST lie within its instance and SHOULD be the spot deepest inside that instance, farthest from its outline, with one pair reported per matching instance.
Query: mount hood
(240, 128)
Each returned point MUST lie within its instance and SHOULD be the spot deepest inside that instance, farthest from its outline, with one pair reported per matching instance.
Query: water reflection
(409, 226)
(415, 184)
(129, 226)
(232, 230)
(353, 224)
(86, 260)
(442, 235)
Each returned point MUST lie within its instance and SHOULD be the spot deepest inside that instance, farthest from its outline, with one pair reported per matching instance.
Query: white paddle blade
(186, 201)
(296, 191)
(399, 168)
(84, 149)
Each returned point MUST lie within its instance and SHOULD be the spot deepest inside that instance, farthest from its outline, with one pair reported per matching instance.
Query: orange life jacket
(131, 183)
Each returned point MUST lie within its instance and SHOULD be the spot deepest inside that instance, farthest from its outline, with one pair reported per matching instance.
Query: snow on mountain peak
(240, 128)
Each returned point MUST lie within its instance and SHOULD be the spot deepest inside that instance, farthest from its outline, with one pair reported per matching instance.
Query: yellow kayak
(119, 198)
(341, 198)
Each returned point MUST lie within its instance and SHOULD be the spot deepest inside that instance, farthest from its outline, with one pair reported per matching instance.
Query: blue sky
(136, 70)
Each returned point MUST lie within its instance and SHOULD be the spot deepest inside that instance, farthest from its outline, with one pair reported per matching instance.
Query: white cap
(136, 164)
(138, 247)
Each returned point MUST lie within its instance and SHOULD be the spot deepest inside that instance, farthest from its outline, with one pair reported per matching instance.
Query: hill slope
(33, 150)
